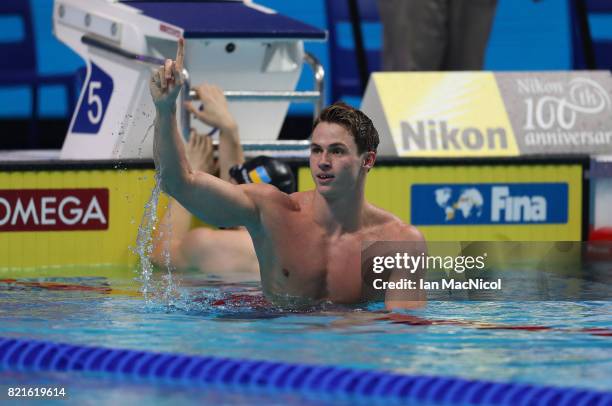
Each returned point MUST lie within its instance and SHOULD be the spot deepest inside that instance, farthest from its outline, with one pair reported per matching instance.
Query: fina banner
(489, 203)
(496, 202)
(479, 114)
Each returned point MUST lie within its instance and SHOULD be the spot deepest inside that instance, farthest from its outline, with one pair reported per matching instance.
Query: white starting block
(251, 52)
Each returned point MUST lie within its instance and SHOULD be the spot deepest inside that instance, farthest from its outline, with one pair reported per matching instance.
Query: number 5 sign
(94, 102)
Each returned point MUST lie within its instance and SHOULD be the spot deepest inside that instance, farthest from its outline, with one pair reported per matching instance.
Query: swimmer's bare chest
(299, 259)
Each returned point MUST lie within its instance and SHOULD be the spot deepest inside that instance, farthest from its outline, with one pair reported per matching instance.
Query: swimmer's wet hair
(355, 122)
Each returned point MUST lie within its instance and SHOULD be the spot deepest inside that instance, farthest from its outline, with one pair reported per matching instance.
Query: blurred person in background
(435, 35)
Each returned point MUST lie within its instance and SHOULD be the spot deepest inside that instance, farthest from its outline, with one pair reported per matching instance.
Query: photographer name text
(443, 284)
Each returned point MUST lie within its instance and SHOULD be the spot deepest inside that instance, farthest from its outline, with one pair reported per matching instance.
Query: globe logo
(469, 203)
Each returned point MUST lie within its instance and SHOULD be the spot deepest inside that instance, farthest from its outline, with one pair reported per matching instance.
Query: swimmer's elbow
(166, 186)
(176, 185)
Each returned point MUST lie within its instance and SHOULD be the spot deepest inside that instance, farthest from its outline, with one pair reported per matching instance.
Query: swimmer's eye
(337, 151)
(315, 150)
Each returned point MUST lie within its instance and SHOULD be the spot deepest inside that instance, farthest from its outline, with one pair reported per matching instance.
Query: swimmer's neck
(343, 214)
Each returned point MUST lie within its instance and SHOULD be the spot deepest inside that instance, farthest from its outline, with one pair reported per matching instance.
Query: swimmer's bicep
(219, 203)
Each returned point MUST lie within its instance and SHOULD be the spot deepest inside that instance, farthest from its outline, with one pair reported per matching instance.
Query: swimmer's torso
(300, 262)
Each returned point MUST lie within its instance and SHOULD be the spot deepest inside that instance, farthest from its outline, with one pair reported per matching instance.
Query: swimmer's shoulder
(303, 198)
(266, 195)
(391, 228)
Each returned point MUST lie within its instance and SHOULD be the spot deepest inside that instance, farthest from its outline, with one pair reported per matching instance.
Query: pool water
(544, 343)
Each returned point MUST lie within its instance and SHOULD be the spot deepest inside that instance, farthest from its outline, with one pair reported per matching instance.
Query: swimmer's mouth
(325, 177)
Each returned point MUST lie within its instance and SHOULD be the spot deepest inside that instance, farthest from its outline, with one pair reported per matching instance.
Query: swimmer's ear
(369, 159)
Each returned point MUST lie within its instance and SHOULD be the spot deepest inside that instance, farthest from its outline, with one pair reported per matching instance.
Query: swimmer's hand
(215, 112)
(199, 151)
(167, 80)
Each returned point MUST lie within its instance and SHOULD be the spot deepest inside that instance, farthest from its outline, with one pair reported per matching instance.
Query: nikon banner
(479, 114)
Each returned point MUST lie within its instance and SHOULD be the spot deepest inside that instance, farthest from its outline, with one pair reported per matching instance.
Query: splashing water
(144, 240)
(167, 290)
(170, 292)
(126, 127)
(144, 139)
(122, 135)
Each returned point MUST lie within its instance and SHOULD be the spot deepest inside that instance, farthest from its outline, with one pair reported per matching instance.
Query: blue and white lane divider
(268, 376)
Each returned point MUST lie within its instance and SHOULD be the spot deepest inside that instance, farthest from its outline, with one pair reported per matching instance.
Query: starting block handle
(315, 96)
(266, 95)
(309, 96)
(319, 81)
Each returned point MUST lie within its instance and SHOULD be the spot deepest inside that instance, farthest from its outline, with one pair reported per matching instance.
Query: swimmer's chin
(327, 191)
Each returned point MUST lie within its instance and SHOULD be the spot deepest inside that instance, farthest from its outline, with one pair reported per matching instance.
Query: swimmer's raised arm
(213, 200)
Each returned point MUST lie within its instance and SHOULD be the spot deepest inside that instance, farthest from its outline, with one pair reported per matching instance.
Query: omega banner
(471, 114)
(53, 209)
(55, 216)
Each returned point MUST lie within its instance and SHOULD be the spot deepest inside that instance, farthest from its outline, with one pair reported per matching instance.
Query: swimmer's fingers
(199, 114)
(215, 111)
(207, 145)
(155, 78)
(207, 152)
(203, 92)
(180, 54)
(198, 141)
(189, 106)
(193, 137)
(167, 76)
(178, 75)
(155, 85)
(210, 93)
(218, 93)
(153, 74)
(201, 142)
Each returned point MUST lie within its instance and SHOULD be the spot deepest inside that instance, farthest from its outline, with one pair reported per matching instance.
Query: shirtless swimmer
(308, 244)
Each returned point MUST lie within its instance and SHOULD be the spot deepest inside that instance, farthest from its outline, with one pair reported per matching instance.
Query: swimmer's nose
(324, 163)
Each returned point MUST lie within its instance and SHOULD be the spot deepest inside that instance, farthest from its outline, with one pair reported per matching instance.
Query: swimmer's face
(335, 162)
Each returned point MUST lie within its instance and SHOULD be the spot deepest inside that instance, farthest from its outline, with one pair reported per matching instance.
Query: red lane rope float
(61, 286)
(418, 321)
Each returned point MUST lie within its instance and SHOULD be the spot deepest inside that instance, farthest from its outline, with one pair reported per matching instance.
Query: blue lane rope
(200, 371)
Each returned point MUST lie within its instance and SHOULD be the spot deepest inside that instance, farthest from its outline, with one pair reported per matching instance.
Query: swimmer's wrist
(230, 127)
(165, 110)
